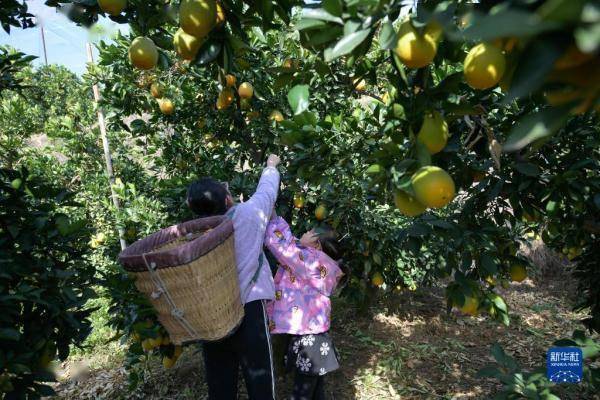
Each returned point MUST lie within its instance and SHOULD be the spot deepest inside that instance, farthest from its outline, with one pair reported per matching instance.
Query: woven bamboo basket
(189, 274)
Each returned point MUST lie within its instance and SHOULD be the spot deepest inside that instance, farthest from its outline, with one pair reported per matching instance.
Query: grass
(406, 347)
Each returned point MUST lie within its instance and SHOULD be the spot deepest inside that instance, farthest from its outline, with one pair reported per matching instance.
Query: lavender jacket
(250, 221)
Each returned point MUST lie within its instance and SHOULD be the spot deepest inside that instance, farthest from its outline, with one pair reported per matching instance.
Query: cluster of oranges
(196, 19)
(161, 340)
(484, 67)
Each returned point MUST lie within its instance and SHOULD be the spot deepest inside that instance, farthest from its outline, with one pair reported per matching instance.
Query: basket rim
(132, 258)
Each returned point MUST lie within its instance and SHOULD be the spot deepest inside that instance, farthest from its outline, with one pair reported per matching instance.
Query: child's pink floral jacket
(305, 279)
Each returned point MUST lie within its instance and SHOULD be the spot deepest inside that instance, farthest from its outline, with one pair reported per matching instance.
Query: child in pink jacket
(305, 279)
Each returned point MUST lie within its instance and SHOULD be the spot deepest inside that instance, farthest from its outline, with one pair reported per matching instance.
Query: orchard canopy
(437, 138)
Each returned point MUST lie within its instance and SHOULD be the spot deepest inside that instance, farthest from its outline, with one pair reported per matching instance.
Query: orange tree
(471, 132)
(471, 99)
(481, 91)
(158, 153)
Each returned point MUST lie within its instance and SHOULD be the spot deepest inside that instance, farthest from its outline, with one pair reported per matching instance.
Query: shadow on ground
(407, 346)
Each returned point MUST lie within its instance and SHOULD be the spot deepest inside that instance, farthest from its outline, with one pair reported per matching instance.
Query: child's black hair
(329, 242)
(206, 197)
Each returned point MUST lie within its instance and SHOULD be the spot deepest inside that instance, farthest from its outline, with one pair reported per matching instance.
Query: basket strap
(161, 289)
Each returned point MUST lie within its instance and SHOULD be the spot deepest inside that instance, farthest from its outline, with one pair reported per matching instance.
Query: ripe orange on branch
(484, 66)
(517, 272)
(166, 106)
(321, 212)
(377, 279)
(230, 80)
(470, 306)
(298, 201)
(112, 7)
(156, 90)
(246, 91)
(433, 186)
(276, 116)
(143, 53)
(186, 45)
(198, 17)
(225, 98)
(415, 50)
(407, 204)
(434, 132)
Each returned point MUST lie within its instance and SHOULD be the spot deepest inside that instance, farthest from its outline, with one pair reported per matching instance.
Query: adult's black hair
(206, 197)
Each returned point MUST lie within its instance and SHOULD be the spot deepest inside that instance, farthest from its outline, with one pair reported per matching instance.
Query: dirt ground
(408, 347)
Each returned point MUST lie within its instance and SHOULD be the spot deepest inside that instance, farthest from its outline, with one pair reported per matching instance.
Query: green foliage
(14, 13)
(11, 62)
(45, 282)
(534, 385)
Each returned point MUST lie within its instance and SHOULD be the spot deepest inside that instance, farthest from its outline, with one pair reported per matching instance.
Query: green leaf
(387, 36)
(489, 371)
(561, 10)
(374, 169)
(346, 45)
(298, 98)
(208, 53)
(531, 71)
(308, 23)
(423, 154)
(499, 302)
(588, 38)
(489, 263)
(536, 126)
(528, 169)
(9, 334)
(498, 353)
(506, 23)
(333, 7)
(321, 14)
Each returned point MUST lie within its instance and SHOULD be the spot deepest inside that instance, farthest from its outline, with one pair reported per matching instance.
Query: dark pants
(250, 347)
(308, 387)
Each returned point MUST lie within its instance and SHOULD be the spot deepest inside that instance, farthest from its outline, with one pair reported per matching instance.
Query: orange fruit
(413, 49)
(225, 98)
(112, 7)
(166, 106)
(377, 279)
(198, 17)
(230, 80)
(407, 204)
(156, 90)
(484, 66)
(276, 116)
(298, 201)
(470, 306)
(186, 45)
(433, 186)
(517, 272)
(143, 53)
(572, 57)
(434, 132)
(246, 91)
(321, 212)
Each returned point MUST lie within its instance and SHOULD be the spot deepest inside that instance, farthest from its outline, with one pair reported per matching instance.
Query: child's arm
(280, 241)
(327, 274)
